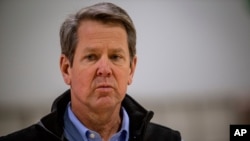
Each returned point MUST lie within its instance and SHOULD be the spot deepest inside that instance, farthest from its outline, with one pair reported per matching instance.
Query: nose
(104, 67)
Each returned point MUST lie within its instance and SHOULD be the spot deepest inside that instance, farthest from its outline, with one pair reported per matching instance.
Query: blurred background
(193, 62)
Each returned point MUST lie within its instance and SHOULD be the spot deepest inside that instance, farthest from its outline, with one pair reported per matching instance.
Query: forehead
(89, 26)
(96, 32)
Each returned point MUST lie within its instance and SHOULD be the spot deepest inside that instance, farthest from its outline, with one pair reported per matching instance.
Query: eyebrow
(118, 50)
(90, 49)
(96, 49)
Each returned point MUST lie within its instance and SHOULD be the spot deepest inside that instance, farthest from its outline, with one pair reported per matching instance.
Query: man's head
(103, 12)
(98, 57)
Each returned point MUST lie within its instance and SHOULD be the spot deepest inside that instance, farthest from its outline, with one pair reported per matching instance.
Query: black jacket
(50, 128)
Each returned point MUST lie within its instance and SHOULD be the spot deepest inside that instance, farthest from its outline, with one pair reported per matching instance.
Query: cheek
(123, 79)
(81, 79)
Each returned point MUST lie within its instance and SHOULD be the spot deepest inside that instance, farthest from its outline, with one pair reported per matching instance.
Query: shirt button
(92, 135)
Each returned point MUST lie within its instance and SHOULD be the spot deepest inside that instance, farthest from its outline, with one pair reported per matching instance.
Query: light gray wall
(188, 50)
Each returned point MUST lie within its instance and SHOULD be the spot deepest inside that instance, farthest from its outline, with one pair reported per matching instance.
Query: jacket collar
(139, 116)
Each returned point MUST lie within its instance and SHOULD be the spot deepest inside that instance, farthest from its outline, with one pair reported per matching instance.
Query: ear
(65, 69)
(132, 70)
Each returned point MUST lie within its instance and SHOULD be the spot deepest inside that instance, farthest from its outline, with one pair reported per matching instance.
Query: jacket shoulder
(32, 133)
(161, 133)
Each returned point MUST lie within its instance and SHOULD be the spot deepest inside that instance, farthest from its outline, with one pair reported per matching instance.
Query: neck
(106, 123)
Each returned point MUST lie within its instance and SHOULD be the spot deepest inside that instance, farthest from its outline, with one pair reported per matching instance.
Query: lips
(104, 88)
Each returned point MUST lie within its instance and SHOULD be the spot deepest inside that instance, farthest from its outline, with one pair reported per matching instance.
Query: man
(98, 61)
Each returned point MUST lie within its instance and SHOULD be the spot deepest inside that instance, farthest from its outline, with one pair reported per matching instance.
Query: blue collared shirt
(74, 130)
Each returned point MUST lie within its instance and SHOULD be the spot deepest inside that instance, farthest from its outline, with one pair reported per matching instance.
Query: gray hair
(103, 12)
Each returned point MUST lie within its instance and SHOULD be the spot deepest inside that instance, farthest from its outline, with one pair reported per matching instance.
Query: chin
(106, 102)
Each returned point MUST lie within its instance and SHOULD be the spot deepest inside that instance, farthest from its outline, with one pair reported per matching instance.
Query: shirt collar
(74, 130)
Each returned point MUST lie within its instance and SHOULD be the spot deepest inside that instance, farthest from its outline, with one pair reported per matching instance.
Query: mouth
(104, 88)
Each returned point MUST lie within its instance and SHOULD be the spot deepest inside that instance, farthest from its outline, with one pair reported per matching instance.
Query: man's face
(101, 68)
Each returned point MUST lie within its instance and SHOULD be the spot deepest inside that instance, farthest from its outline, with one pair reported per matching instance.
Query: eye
(115, 57)
(91, 57)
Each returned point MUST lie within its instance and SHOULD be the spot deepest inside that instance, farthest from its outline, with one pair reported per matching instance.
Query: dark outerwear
(50, 128)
